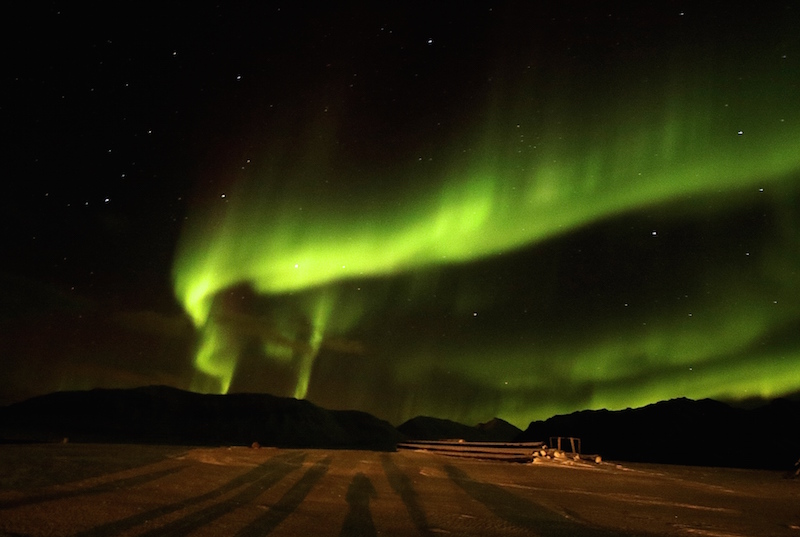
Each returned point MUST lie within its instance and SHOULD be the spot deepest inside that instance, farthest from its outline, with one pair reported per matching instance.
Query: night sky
(459, 209)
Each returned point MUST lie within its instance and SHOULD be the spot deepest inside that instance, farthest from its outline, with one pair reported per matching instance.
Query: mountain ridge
(705, 432)
(162, 414)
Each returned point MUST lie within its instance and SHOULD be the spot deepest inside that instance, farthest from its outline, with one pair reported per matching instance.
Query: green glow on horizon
(660, 150)
(660, 359)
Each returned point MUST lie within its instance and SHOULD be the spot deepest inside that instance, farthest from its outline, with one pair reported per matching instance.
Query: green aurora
(541, 257)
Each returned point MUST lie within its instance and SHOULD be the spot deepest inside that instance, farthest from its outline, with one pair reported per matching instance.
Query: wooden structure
(504, 451)
(560, 443)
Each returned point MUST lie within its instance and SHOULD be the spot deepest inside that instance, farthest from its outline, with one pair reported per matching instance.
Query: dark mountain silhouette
(500, 430)
(683, 431)
(428, 428)
(163, 415)
(679, 431)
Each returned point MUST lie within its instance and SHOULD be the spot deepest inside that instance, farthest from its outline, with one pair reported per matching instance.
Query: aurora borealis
(506, 211)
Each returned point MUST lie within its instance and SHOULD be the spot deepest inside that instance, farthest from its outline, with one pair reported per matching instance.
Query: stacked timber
(500, 451)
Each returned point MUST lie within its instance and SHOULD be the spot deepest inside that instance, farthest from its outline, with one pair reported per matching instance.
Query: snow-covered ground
(99, 490)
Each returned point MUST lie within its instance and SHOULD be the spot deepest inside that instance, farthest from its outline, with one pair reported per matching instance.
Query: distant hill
(679, 431)
(428, 428)
(683, 431)
(500, 430)
(163, 415)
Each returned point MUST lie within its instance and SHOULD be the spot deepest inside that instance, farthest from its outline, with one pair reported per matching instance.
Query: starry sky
(464, 210)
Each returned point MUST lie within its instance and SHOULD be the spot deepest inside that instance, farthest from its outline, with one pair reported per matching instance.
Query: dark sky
(461, 209)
